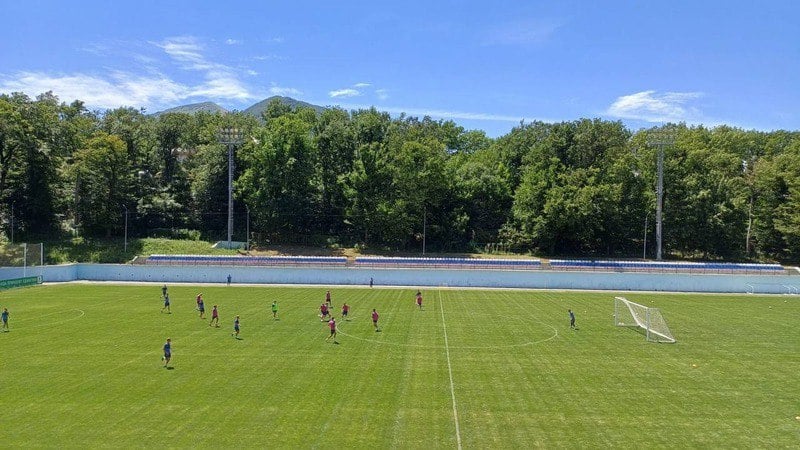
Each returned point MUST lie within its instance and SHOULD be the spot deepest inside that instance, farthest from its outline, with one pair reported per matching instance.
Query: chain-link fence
(21, 255)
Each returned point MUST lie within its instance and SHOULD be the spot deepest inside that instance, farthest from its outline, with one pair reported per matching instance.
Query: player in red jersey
(345, 311)
(375, 319)
(419, 299)
(332, 325)
(214, 317)
(323, 311)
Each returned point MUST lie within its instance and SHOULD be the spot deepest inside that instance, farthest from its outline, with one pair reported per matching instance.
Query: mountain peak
(193, 108)
(260, 107)
(254, 110)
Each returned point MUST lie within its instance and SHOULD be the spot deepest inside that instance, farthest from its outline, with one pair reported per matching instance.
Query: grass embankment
(113, 251)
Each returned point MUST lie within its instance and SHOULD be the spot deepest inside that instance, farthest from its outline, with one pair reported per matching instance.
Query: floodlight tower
(230, 137)
(660, 139)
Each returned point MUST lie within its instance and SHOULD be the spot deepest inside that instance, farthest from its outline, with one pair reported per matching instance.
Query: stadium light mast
(660, 139)
(230, 137)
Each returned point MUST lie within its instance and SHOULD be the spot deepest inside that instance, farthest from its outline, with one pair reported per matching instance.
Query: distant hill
(254, 110)
(210, 107)
(259, 107)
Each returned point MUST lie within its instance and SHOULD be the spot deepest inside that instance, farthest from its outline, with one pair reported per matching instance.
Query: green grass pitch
(81, 367)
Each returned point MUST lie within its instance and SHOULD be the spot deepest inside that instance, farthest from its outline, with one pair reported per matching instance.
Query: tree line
(578, 188)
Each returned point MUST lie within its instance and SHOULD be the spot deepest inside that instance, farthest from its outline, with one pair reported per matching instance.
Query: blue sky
(485, 65)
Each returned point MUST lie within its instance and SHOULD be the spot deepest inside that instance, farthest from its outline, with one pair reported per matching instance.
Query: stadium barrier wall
(637, 281)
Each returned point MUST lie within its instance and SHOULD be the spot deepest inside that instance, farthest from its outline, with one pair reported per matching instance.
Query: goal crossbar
(628, 313)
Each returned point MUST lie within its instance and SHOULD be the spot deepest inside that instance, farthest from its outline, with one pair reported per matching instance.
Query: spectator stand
(666, 266)
(448, 263)
(224, 260)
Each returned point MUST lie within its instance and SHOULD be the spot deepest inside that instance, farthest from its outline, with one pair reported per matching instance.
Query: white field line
(450, 373)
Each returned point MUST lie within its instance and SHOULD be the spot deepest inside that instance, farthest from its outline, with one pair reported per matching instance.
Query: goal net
(630, 314)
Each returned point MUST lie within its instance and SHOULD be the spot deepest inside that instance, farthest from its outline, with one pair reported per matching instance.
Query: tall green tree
(103, 184)
(334, 139)
(482, 184)
(569, 196)
(278, 182)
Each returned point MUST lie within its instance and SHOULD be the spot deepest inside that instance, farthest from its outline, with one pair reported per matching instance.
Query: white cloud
(252, 72)
(119, 89)
(221, 80)
(234, 41)
(222, 87)
(344, 93)
(650, 106)
(361, 85)
(187, 50)
(283, 91)
(445, 114)
(455, 114)
(521, 32)
(382, 94)
(148, 87)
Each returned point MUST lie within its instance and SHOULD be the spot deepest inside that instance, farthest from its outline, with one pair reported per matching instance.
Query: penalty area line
(450, 373)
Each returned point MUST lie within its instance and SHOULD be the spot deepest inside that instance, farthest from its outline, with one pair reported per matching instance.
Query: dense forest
(363, 178)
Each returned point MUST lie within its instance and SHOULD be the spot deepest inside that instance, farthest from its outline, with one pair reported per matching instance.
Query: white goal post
(630, 314)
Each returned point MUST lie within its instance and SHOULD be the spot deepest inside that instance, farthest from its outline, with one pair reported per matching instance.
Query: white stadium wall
(535, 279)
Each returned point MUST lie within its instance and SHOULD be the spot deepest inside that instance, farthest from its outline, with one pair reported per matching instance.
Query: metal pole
(12, 223)
(424, 229)
(230, 137)
(230, 194)
(659, 202)
(248, 230)
(126, 228)
(660, 139)
(644, 250)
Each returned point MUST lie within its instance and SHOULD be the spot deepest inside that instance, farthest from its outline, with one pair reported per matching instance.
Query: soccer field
(81, 367)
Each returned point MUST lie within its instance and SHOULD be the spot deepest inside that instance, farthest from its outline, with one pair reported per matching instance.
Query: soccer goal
(630, 314)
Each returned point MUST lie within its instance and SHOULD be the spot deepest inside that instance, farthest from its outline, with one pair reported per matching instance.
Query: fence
(22, 255)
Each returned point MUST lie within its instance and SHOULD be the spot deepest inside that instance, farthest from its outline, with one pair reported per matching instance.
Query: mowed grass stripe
(521, 377)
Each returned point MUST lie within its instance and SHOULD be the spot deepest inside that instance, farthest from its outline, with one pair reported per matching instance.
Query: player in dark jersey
(4, 318)
(167, 352)
(236, 327)
(166, 304)
(201, 306)
(571, 319)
